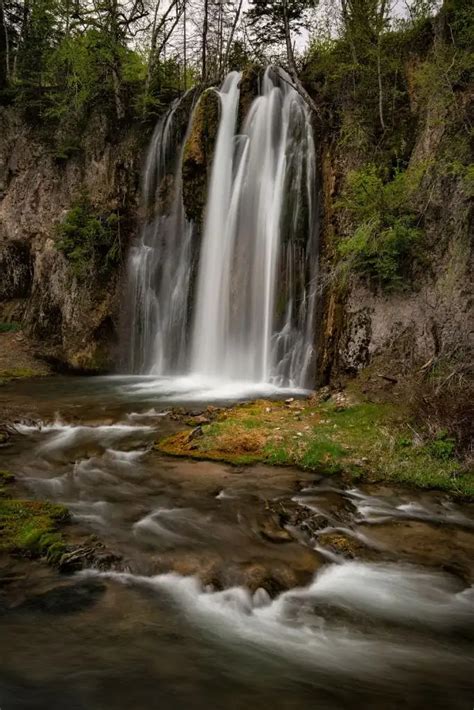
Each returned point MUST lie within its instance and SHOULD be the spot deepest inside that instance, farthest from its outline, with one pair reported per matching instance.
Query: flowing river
(215, 604)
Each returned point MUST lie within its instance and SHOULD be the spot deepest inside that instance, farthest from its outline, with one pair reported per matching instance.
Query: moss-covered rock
(249, 89)
(6, 477)
(31, 528)
(198, 152)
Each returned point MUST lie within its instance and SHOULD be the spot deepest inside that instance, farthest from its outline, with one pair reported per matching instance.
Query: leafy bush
(443, 446)
(90, 241)
(385, 234)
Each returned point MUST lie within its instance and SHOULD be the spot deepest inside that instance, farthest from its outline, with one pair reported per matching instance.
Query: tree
(277, 19)
(4, 48)
(364, 22)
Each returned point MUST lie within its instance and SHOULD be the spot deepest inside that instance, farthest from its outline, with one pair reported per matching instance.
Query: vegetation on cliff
(89, 240)
(380, 86)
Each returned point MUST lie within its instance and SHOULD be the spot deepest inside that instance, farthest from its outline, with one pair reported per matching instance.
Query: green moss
(249, 89)
(18, 373)
(30, 528)
(361, 440)
(198, 152)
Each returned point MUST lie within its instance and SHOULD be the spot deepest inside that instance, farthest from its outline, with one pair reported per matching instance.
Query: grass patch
(359, 440)
(10, 327)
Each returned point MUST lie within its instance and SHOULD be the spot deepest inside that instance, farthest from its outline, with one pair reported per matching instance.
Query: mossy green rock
(30, 528)
(198, 152)
(249, 89)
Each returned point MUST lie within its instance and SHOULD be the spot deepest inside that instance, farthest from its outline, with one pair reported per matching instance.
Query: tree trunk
(292, 64)
(185, 49)
(119, 109)
(379, 76)
(231, 36)
(380, 25)
(4, 48)
(204, 41)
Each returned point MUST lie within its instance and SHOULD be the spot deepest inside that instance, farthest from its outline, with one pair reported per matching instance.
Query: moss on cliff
(249, 86)
(198, 152)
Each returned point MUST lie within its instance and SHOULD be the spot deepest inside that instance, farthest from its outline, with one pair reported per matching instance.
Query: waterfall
(250, 317)
(159, 265)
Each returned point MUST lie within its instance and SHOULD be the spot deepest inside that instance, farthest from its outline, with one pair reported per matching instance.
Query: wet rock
(196, 433)
(94, 555)
(68, 599)
(206, 566)
(347, 546)
(272, 530)
(199, 420)
(442, 546)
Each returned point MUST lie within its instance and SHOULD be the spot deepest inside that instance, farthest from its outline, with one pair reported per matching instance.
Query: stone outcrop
(432, 317)
(72, 320)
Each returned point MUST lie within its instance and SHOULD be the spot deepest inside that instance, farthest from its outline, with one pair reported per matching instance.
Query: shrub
(443, 446)
(89, 240)
(386, 233)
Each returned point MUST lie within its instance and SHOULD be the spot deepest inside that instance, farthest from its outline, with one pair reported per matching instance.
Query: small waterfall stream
(160, 263)
(250, 316)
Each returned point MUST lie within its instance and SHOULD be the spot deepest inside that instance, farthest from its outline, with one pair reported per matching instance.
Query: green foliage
(385, 234)
(164, 85)
(84, 70)
(266, 18)
(9, 327)
(89, 240)
(443, 446)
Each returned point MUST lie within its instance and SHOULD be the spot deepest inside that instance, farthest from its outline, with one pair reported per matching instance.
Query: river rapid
(238, 587)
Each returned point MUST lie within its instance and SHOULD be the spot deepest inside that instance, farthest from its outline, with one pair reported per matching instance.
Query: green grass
(9, 327)
(361, 441)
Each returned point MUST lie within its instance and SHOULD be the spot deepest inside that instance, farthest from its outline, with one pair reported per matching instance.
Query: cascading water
(160, 263)
(252, 313)
(255, 297)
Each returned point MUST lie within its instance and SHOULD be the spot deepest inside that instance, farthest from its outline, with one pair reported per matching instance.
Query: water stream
(217, 604)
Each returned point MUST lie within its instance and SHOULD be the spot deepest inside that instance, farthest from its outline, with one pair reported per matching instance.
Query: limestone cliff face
(433, 316)
(73, 320)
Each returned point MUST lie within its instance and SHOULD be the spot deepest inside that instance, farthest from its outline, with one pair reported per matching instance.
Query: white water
(296, 624)
(249, 324)
(159, 264)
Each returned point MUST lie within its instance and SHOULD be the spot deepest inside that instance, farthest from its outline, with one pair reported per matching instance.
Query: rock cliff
(73, 320)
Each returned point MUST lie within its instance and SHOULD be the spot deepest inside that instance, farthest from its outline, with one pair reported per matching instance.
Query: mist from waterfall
(238, 305)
